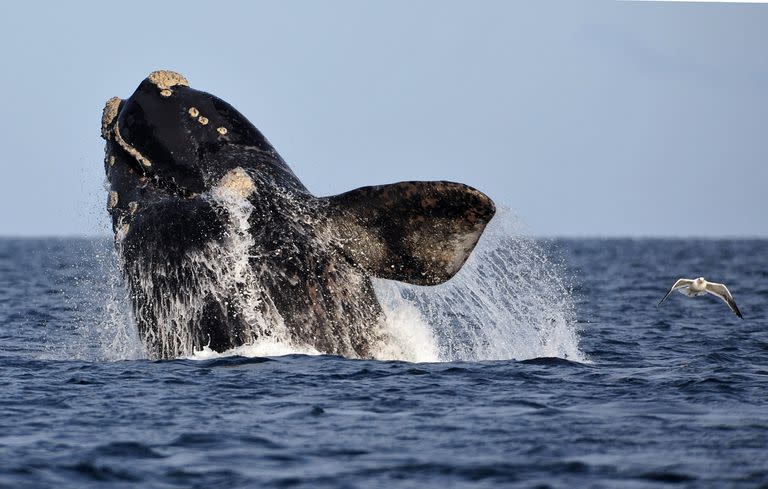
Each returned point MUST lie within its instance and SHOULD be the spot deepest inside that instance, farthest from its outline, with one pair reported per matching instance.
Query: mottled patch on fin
(415, 232)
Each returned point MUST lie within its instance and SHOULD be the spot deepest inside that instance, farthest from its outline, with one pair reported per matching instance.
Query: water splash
(408, 336)
(510, 301)
(262, 348)
(116, 336)
(100, 311)
(221, 273)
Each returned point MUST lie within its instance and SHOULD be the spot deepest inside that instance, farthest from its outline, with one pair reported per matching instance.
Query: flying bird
(699, 286)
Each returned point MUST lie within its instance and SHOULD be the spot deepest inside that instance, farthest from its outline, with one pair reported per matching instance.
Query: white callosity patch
(166, 79)
(109, 114)
(236, 183)
(112, 199)
(510, 301)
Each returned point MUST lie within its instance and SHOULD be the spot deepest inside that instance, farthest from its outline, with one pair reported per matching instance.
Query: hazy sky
(584, 118)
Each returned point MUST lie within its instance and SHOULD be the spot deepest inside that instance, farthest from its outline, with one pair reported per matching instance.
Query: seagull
(699, 286)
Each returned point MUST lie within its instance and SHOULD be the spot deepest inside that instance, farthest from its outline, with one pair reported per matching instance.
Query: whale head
(183, 140)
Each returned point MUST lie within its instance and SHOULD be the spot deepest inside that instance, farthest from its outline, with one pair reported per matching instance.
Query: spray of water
(222, 272)
(100, 312)
(510, 301)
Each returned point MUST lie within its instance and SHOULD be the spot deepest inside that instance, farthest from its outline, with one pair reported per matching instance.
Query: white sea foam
(263, 348)
(410, 338)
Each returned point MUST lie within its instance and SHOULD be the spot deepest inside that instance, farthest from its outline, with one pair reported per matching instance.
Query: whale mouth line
(143, 162)
(143, 166)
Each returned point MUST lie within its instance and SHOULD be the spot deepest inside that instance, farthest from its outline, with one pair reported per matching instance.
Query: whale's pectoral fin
(415, 232)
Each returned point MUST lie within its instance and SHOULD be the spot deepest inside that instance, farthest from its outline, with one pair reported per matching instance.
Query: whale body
(221, 245)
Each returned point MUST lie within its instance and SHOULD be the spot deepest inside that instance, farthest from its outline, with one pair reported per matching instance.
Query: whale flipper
(415, 232)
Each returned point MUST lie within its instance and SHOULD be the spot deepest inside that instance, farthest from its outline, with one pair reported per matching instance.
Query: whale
(220, 244)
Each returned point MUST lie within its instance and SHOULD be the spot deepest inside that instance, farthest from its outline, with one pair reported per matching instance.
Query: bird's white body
(699, 286)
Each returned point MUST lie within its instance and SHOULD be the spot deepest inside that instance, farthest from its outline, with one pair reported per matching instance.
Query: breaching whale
(221, 245)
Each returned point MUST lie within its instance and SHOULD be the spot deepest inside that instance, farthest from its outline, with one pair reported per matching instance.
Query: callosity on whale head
(221, 245)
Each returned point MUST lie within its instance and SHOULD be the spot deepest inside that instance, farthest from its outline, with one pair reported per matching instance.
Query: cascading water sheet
(510, 301)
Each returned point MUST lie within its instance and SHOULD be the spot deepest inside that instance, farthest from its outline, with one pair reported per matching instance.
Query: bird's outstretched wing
(722, 292)
(681, 282)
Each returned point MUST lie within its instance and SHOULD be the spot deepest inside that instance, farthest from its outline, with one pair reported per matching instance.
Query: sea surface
(573, 379)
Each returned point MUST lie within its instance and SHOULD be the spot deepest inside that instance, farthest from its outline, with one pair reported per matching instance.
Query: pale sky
(584, 118)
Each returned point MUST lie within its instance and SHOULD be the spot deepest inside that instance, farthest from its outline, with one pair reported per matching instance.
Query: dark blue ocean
(675, 396)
